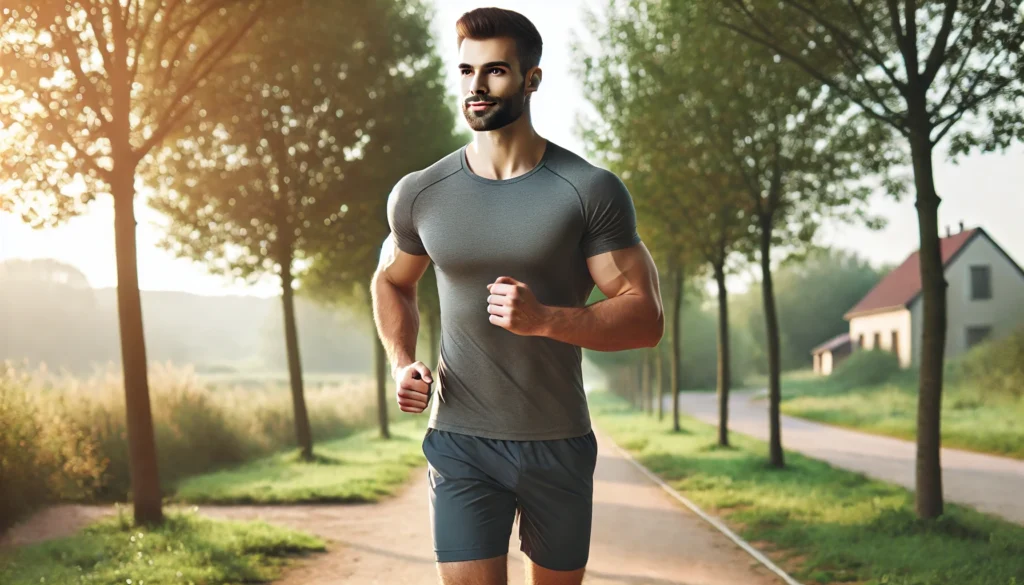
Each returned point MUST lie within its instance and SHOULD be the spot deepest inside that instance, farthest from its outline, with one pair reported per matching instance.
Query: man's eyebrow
(487, 65)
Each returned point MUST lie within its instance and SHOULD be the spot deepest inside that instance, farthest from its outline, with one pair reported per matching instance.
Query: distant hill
(49, 314)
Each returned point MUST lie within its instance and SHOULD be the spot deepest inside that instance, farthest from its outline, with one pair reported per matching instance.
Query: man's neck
(507, 152)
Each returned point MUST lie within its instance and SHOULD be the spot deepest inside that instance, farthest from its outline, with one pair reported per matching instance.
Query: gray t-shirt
(538, 228)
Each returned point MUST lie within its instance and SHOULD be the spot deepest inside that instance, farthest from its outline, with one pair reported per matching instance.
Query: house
(830, 354)
(984, 296)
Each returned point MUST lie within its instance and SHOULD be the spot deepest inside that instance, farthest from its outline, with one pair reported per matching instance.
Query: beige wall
(826, 363)
(1003, 312)
(884, 324)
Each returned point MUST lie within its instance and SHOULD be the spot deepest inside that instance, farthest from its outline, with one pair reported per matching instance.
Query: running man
(520, 230)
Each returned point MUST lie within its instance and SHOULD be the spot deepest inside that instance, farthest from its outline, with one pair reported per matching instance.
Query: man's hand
(413, 387)
(513, 306)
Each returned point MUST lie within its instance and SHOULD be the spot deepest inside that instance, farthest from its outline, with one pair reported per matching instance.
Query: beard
(504, 111)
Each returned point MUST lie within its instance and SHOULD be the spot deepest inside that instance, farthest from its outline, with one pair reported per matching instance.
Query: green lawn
(359, 468)
(969, 420)
(824, 525)
(187, 548)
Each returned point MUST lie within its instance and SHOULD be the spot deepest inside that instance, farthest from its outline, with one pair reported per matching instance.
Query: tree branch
(813, 72)
(938, 53)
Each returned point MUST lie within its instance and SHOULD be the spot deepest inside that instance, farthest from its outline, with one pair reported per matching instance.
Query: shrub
(866, 368)
(64, 438)
(995, 368)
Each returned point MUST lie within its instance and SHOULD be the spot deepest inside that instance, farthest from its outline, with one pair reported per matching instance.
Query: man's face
(491, 79)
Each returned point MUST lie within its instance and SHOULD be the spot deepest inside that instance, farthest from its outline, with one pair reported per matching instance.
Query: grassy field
(64, 438)
(187, 548)
(359, 468)
(969, 421)
(822, 524)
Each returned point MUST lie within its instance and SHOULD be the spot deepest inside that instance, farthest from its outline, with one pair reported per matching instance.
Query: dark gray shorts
(479, 485)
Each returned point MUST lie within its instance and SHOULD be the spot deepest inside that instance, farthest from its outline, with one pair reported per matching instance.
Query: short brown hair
(490, 22)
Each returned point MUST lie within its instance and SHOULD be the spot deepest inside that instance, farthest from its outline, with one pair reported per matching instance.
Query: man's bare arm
(632, 316)
(395, 312)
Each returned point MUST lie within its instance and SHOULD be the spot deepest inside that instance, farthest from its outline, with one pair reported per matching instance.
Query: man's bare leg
(493, 571)
(538, 575)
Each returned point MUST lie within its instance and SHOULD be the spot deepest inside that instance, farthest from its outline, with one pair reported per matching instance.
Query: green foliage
(186, 548)
(812, 296)
(995, 367)
(866, 368)
(973, 417)
(358, 468)
(64, 438)
(820, 523)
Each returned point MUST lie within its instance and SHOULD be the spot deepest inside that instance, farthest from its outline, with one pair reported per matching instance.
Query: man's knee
(492, 571)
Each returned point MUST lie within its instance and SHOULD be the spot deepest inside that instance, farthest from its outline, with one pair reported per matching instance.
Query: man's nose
(477, 86)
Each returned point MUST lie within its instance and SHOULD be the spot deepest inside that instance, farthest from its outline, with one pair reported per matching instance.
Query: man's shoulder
(582, 174)
(416, 181)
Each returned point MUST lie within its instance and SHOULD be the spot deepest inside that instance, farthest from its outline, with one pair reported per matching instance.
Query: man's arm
(393, 291)
(632, 316)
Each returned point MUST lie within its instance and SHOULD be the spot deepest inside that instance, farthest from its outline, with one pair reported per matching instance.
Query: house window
(981, 283)
(877, 343)
(860, 341)
(894, 343)
(977, 333)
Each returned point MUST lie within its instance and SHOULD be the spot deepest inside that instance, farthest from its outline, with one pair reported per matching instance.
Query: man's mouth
(480, 106)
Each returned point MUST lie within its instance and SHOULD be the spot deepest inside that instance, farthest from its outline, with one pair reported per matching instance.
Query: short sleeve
(610, 215)
(400, 218)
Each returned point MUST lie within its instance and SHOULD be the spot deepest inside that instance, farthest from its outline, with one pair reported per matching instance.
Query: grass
(358, 468)
(988, 424)
(822, 524)
(64, 438)
(186, 548)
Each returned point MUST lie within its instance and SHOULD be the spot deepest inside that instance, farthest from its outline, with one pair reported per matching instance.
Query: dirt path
(989, 483)
(641, 536)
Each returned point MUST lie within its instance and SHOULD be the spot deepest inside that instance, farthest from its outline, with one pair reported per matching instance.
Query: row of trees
(743, 125)
(268, 133)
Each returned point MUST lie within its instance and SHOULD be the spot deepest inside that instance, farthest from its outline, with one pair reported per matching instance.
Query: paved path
(989, 483)
(641, 536)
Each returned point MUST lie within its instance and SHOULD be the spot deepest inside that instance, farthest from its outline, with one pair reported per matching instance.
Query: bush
(995, 368)
(65, 439)
(866, 368)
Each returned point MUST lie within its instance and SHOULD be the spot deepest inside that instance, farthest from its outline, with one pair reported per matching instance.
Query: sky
(985, 190)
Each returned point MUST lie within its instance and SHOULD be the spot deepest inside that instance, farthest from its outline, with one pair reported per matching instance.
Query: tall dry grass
(64, 437)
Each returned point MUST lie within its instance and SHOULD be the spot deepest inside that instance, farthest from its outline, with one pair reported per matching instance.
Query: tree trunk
(928, 488)
(380, 360)
(303, 435)
(775, 456)
(659, 381)
(142, 458)
(645, 383)
(723, 357)
(677, 342)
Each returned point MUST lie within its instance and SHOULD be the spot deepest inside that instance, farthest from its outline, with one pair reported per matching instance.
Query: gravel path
(989, 483)
(641, 536)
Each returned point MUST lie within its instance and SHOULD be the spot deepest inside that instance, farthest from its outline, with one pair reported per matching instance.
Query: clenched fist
(513, 306)
(413, 383)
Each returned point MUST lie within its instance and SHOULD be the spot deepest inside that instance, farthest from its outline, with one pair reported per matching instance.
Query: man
(519, 230)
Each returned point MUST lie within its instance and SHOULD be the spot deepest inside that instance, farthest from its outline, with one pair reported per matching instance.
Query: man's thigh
(556, 494)
(538, 575)
(491, 571)
(472, 508)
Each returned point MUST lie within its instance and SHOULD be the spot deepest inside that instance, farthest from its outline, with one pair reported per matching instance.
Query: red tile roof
(903, 284)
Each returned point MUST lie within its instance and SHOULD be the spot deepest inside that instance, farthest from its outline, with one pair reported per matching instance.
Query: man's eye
(498, 69)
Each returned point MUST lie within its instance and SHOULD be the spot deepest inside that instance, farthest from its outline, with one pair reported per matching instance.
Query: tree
(645, 151)
(89, 89)
(920, 69)
(275, 155)
(410, 125)
(793, 150)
